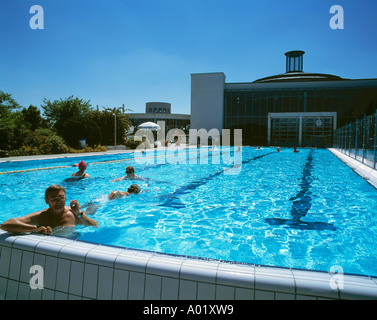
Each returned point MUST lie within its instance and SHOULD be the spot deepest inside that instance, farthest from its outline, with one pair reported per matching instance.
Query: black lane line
(173, 200)
(302, 202)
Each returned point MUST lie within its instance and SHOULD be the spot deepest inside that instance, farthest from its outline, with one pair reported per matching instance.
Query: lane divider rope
(98, 162)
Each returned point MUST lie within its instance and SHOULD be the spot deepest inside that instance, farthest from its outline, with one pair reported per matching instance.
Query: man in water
(56, 215)
(130, 174)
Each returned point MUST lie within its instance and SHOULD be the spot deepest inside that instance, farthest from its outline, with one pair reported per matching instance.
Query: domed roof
(299, 77)
(294, 72)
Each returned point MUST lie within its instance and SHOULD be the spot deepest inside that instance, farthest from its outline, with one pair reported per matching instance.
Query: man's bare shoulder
(34, 216)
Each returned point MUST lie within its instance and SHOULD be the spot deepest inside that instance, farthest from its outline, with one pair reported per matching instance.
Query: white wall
(207, 100)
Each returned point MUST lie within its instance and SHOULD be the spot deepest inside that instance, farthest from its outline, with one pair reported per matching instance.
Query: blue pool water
(302, 210)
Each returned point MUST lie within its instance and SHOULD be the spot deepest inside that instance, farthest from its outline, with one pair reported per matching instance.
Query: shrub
(131, 143)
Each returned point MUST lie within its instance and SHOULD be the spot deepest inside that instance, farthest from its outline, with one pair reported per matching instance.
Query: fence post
(357, 125)
(363, 139)
(375, 140)
(343, 139)
(350, 139)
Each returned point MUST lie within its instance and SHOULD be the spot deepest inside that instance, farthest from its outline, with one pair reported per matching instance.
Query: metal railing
(359, 140)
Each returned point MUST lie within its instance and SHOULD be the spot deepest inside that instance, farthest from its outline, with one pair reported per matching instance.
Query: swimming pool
(194, 209)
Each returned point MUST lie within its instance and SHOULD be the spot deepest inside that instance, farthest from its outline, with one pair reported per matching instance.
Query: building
(295, 108)
(161, 111)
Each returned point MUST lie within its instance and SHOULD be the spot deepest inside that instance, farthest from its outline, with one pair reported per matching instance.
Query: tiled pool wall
(79, 270)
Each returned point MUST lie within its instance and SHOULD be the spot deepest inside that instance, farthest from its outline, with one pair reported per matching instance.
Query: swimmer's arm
(140, 178)
(85, 205)
(22, 224)
(86, 221)
(81, 217)
(117, 179)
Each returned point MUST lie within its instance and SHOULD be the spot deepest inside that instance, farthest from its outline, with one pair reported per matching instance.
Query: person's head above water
(134, 188)
(130, 170)
(82, 165)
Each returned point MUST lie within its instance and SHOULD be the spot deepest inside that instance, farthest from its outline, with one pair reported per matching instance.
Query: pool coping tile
(100, 258)
(73, 253)
(236, 275)
(315, 283)
(164, 266)
(274, 279)
(199, 270)
(129, 262)
(354, 287)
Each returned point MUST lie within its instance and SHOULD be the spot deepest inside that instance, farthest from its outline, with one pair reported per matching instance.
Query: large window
(302, 129)
(285, 132)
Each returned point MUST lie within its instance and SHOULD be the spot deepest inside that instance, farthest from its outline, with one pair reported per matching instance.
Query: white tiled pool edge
(80, 270)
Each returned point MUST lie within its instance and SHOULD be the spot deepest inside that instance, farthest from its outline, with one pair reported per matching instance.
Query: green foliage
(7, 104)
(58, 130)
(40, 141)
(106, 122)
(58, 112)
(8, 120)
(130, 143)
(33, 118)
(73, 130)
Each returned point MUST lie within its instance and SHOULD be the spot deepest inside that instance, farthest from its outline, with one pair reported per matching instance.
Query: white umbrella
(149, 126)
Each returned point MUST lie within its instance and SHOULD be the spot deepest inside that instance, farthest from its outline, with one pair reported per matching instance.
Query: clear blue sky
(131, 52)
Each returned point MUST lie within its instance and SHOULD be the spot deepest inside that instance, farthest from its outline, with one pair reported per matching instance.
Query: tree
(10, 122)
(33, 118)
(60, 111)
(67, 116)
(7, 104)
(106, 122)
(74, 130)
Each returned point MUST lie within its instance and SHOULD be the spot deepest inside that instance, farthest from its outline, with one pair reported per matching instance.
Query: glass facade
(248, 109)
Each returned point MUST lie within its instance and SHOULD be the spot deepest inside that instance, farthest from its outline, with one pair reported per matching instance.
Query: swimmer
(130, 171)
(81, 173)
(133, 189)
(278, 149)
(295, 150)
(57, 214)
(93, 207)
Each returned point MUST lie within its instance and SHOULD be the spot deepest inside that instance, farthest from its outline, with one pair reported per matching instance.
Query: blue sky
(131, 52)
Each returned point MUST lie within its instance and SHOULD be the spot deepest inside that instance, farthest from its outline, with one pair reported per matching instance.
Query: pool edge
(74, 269)
(367, 173)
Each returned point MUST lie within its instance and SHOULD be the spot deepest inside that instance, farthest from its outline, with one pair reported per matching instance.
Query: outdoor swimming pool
(303, 210)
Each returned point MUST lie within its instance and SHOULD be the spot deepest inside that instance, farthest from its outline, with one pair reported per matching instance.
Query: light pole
(115, 131)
